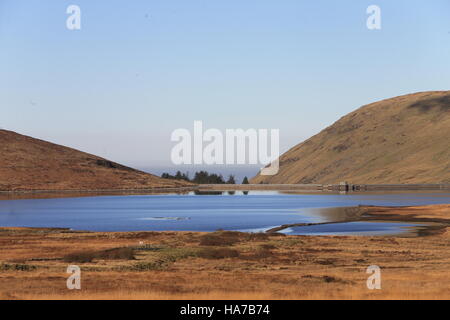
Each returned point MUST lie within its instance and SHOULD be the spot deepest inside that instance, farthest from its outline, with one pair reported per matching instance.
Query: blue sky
(137, 70)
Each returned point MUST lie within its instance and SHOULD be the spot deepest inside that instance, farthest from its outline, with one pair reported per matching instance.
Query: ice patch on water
(164, 218)
(256, 230)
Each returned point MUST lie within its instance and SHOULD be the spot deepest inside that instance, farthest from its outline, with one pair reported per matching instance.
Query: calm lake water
(255, 212)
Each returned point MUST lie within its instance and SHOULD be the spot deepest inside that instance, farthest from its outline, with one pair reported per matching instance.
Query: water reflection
(335, 214)
(208, 193)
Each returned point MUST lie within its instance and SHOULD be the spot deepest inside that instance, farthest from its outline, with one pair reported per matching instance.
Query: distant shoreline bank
(345, 188)
(255, 187)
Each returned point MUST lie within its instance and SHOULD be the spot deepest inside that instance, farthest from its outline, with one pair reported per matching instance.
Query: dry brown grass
(218, 253)
(110, 254)
(221, 238)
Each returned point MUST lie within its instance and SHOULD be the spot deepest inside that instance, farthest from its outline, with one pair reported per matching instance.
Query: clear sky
(137, 70)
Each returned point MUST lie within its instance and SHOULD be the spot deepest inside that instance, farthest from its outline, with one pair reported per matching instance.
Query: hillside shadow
(442, 103)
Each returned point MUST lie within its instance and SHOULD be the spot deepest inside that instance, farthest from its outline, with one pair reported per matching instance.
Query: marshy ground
(228, 265)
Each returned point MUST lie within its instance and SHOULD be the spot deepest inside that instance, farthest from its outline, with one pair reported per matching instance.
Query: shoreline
(99, 191)
(347, 187)
(198, 190)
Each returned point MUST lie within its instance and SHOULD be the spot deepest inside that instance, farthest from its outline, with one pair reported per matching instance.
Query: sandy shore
(229, 265)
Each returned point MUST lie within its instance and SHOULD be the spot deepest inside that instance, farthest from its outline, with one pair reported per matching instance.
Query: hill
(400, 140)
(30, 164)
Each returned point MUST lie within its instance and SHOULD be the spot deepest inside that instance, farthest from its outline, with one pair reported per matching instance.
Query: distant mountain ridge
(400, 140)
(28, 164)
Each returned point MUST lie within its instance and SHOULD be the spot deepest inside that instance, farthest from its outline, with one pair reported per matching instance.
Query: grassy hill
(400, 140)
(31, 164)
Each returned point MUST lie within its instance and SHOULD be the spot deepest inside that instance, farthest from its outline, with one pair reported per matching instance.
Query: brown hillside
(400, 140)
(31, 164)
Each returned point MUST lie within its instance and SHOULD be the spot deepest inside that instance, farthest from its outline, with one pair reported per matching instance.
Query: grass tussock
(326, 279)
(260, 236)
(229, 238)
(262, 253)
(148, 247)
(267, 246)
(175, 254)
(293, 242)
(150, 266)
(163, 258)
(109, 254)
(16, 267)
(221, 238)
(218, 253)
